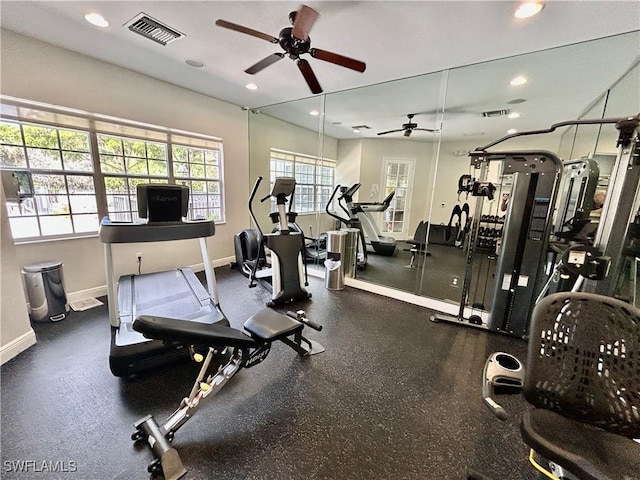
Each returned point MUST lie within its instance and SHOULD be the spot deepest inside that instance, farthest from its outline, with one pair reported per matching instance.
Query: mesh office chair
(583, 375)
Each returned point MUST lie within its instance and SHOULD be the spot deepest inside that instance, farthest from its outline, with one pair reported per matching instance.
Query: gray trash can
(350, 258)
(333, 267)
(45, 291)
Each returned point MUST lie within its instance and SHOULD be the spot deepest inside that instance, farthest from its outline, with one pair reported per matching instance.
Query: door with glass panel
(398, 178)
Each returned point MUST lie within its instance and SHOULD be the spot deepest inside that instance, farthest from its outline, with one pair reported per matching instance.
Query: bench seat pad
(171, 329)
(269, 325)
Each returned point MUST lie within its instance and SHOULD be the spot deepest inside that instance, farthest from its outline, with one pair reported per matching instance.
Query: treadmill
(176, 293)
(362, 210)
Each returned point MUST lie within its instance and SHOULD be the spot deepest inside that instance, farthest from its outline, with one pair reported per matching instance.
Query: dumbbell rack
(490, 233)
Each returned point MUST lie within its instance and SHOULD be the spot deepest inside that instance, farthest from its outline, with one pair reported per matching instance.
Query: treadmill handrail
(351, 190)
(131, 232)
(386, 202)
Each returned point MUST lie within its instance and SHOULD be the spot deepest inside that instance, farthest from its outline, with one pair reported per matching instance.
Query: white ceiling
(396, 39)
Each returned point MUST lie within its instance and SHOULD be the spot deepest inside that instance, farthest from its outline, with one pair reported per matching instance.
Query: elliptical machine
(350, 221)
(286, 271)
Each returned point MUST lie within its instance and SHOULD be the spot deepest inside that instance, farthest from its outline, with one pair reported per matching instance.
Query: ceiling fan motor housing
(293, 46)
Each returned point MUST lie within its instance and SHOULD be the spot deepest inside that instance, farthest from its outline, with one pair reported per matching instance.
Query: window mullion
(98, 177)
(170, 175)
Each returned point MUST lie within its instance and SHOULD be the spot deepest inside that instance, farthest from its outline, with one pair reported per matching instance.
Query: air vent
(153, 29)
(495, 113)
(361, 127)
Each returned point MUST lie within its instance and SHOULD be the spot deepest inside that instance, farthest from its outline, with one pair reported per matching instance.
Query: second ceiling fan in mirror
(295, 41)
(408, 127)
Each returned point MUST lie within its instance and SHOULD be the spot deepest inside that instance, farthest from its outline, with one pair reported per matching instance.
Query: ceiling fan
(295, 41)
(408, 127)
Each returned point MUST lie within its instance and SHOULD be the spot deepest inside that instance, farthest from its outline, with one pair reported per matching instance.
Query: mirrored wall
(411, 137)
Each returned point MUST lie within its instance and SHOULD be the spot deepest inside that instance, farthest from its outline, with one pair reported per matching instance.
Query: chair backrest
(584, 360)
(420, 235)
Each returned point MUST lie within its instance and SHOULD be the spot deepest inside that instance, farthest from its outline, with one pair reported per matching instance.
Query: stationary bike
(247, 351)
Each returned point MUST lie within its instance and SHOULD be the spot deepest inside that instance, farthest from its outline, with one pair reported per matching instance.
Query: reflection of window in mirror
(314, 180)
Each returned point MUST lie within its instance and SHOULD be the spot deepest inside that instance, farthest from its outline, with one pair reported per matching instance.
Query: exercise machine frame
(288, 270)
(519, 273)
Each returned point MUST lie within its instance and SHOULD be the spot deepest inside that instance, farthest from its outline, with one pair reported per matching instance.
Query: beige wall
(41, 72)
(14, 319)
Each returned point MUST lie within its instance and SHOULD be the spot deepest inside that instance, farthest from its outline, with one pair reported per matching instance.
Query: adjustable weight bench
(264, 328)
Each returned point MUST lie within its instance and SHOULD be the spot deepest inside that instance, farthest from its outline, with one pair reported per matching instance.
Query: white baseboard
(222, 262)
(95, 292)
(19, 345)
(431, 303)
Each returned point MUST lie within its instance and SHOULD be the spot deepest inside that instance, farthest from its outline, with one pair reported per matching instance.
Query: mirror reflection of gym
(442, 158)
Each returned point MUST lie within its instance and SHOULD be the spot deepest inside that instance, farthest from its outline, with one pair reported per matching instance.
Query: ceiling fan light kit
(295, 42)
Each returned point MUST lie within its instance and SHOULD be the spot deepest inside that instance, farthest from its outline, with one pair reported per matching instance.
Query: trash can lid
(42, 266)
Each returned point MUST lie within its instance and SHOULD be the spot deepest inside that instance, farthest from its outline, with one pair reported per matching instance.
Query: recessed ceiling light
(355, 130)
(314, 113)
(514, 115)
(194, 62)
(519, 80)
(511, 131)
(528, 9)
(251, 86)
(96, 19)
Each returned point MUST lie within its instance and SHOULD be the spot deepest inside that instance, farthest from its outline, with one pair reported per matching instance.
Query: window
(125, 163)
(199, 169)
(64, 201)
(87, 166)
(314, 179)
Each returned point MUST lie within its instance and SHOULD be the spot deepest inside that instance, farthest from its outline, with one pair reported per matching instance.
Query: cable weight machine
(520, 267)
(618, 235)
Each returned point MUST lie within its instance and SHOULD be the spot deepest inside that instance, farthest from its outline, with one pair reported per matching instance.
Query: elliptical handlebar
(251, 197)
(340, 219)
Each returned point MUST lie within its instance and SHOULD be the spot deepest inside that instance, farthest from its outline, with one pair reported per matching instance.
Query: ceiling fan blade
(390, 131)
(248, 31)
(309, 76)
(264, 63)
(426, 130)
(305, 18)
(407, 133)
(337, 59)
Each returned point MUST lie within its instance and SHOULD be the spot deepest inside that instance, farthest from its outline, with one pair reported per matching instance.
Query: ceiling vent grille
(148, 27)
(495, 113)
